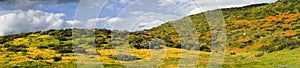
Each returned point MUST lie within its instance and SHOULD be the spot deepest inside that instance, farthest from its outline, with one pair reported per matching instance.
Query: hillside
(261, 35)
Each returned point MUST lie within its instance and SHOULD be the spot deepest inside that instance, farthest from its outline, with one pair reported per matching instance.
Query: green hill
(261, 35)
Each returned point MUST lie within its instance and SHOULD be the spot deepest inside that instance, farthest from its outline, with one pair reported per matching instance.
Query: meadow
(258, 36)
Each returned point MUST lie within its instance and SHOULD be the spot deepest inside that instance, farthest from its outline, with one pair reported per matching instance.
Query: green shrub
(14, 48)
(280, 44)
(259, 54)
(56, 58)
(203, 48)
(43, 46)
(65, 50)
(52, 45)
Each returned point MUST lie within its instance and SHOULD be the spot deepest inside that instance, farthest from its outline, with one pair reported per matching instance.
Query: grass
(167, 58)
(278, 25)
(247, 59)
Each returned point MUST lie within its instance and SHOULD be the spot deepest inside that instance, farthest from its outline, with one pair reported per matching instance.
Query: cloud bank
(18, 21)
(31, 20)
(29, 4)
(198, 6)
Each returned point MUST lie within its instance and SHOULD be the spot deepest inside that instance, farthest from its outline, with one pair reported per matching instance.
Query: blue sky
(68, 8)
(34, 15)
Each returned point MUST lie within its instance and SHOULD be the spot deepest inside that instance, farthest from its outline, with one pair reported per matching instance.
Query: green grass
(272, 30)
(276, 59)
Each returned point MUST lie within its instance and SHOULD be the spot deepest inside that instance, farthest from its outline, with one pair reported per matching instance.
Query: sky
(18, 16)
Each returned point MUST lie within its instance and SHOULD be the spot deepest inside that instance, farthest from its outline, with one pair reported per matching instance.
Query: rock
(80, 50)
(242, 45)
(124, 57)
(157, 47)
(226, 61)
(244, 34)
(197, 43)
(76, 54)
(92, 56)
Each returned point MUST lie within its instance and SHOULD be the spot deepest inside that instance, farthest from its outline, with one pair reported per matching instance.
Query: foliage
(268, 28)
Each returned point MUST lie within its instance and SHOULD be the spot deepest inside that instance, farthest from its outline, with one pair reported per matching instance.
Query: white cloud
(92, 23)
(115, 4)
(86, 24)
(34, 20)
(124, 1)
(114, 20)
(165, 2)
(139, 20)
(192, 6)
(238, 5)
(195, 11)
(148, 25)
(31, 20)
(171, 2)
(29, 4)
(111, 7)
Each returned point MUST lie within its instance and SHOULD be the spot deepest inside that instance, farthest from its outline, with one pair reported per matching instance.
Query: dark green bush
(65, 50)
(43, 46)
(14, 48)
(259, 54)
(56, 58)
(203, 48)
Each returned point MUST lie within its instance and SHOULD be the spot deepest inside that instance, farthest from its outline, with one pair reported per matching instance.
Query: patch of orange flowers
(290, 33)
(286, 25)
(258, 45)
(266, 24)
(241, 22)
(242, 40)
(175, 39)
(245, 48)
(206, 38)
